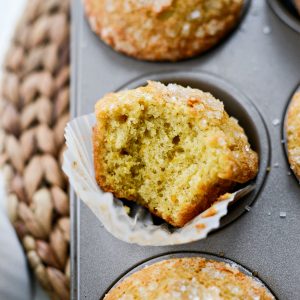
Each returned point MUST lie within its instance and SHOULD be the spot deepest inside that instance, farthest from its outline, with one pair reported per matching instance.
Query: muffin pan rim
(284, 15)
(239, 208)
(187, 254)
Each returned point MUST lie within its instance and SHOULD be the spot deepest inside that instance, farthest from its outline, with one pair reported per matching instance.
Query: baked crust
(292, 128)
(189, 278)
(160, 30)
(238, 162)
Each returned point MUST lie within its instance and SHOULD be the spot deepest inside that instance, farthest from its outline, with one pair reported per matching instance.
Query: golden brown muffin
(171, 149)
(162, 29)
(189, 278)
(292, 128)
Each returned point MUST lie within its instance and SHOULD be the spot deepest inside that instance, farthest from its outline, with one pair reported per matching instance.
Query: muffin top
(162, 29)
(191, 278)
(292, 128)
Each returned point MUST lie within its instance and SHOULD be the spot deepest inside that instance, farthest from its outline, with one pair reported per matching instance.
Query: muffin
(292, 129)
(162, 29)
(171, 149)
(189, 278)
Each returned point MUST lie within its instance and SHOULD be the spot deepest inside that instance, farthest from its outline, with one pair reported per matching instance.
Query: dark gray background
(266, 67)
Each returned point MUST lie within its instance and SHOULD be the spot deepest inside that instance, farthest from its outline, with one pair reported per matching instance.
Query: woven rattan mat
(34, 109)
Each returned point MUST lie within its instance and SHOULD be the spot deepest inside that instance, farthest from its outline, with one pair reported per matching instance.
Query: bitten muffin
(162, 29)
(292, 128)
(189, 278)
(171, 149)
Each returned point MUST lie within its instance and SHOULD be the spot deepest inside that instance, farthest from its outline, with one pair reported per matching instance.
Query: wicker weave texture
(34, 109)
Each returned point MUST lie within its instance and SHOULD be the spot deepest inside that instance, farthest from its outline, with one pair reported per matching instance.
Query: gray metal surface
(261, 59)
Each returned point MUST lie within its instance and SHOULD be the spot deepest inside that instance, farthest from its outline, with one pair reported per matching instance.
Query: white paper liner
(79, 167)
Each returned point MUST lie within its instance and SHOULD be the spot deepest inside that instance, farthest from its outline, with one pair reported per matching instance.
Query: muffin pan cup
(285, 10)
(261, 64)
(236, 105)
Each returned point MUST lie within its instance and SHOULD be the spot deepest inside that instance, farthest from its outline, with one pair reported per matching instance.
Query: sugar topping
(195, 14)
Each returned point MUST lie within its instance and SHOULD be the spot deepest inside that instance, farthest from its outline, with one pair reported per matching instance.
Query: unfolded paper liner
(137, 228)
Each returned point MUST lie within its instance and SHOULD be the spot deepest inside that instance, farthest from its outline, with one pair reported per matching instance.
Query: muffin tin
(253, 71)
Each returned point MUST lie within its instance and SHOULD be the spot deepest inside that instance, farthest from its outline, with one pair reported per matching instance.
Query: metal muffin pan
(262, 64)
(183, 254)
